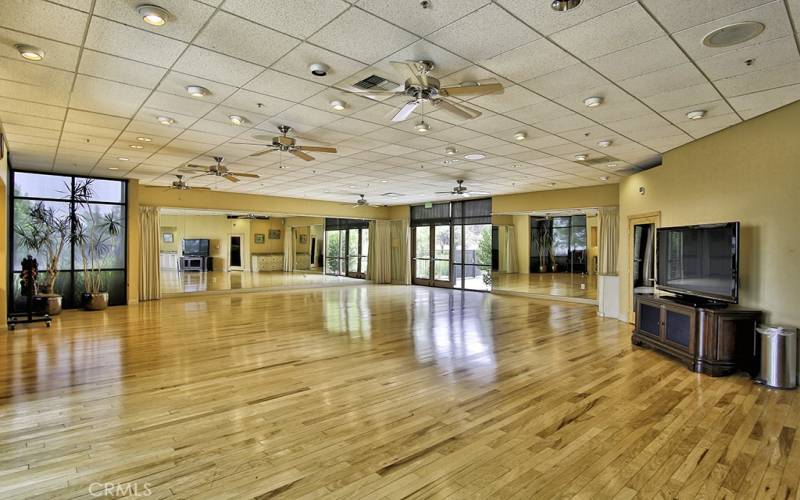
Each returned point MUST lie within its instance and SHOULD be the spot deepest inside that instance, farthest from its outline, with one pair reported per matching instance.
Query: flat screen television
(195, 248)
(699, 261)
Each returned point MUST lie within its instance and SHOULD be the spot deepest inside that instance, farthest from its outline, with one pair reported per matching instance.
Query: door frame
(635, 220)
(241, 252)
(432, 281)
(359, 273)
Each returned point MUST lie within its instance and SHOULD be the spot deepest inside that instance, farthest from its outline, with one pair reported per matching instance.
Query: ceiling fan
(249, 216)
(184, 186)
(362, 202)
(289, 145)
(461, 190)
(421, 87)
(220, 170)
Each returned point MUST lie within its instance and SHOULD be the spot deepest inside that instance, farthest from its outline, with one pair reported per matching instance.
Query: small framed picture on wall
(274, 234)
(303, 239)
(167, 237)
(259, 237)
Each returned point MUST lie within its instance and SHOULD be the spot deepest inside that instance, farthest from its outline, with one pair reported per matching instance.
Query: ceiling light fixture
(551, 184)
(113, 168)
(136, 146)
(422, 127)
(318, 69)
(582, 157)
(604, 143)
(474, 156)
(593, 102)
(450, 150)
(197, 91)
(604, 178)
(564, 5)
(30, 52)
(237, 120)
(337, 105)
(165, 120)
(612, 165)
(153, 14)
(733, 34)
(144, 139)
(122, 158)
(696, 115)
(520, 136)
(384, 180)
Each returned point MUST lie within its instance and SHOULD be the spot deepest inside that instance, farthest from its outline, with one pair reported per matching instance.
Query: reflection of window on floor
(56, 194)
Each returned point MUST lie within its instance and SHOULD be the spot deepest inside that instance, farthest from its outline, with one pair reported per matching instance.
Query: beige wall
(3, 236)
(263, 227)
(217, 229)
(523, 229)
(132, 255)
(592, 250)
(606, 195)
(747, 173)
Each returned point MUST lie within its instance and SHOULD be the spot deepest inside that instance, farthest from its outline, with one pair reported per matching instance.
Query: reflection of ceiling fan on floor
(219, 170)
(288, 145)
(421, 87)
(184, 186)
(461, 190)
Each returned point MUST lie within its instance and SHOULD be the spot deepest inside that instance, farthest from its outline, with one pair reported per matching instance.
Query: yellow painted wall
(133, 241)
(216, 228)
(606, 195)
(263, 227)
(3, 236)
(748, 173)
(400, 212)
(592, 250)
(523, 229)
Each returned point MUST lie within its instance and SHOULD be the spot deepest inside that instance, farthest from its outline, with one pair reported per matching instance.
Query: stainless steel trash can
(778, 356)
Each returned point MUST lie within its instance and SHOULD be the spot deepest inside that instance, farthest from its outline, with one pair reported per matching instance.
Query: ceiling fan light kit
(219, 170)
(286, 144)
(461, 190)
(422, 127)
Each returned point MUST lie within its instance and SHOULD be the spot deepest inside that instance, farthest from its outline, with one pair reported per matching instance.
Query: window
(346, 247)
(56, 193)
(559, 244)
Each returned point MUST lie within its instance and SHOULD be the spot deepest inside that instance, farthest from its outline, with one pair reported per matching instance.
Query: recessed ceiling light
(384, 180)
(593, 102)
(165, 120)
(551, 184)
(113, 168)
(144, 139)
(197, 91)
(318, 69)
(604, 143)
(153, 14)
(136, 146)
(696, 115)
(30, 52)
(450, 150)
(604, 178)
(564, 5)
(474, 156)
(282, 167)
(338, 105)
(422, 127)
(733, 34)
(612, 165)
(237, 120)
(582, 157)
(351, 187)
(520, 136)
(122, 158)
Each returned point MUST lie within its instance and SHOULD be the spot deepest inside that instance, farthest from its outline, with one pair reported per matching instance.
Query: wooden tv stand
(715, 340)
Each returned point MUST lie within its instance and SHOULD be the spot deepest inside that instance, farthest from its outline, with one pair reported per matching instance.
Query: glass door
(432, 255)
(335, 252)
(472, 258)
(357, 248)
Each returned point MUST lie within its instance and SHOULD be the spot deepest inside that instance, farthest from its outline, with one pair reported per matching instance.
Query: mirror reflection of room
(547, 254)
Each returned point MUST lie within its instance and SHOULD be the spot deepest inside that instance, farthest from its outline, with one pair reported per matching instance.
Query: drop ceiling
(107, 76)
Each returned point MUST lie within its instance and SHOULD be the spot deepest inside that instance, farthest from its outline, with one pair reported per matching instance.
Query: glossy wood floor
(581, 286)
(191, 282)
(377, 392)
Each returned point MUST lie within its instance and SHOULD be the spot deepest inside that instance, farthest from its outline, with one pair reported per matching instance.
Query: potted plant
(543, 239)
(94, 233)
(45, 232)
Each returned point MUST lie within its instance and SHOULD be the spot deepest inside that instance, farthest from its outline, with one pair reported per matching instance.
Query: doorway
(235, 253)
(347, 252)
(432, 255)
(641, 262)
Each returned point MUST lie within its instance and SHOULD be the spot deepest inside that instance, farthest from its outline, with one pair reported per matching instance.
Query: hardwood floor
(377, 392)
(582, 286)
(173, 282)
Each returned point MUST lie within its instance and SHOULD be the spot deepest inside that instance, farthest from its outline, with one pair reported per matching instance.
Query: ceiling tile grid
(107, 78)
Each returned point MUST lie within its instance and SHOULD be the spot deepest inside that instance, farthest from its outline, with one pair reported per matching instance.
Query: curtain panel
(290, 234)
(380, 252)
(511, 249)
(609, 240)
(401, 252)
(149, 254)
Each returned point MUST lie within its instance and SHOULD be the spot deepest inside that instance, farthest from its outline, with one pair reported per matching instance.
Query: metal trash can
(778, 356)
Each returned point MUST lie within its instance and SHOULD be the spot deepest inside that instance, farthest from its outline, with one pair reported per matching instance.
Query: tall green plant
(45, 232)
(93, 233)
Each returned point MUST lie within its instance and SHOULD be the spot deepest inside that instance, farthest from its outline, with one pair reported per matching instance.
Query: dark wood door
(678, 327)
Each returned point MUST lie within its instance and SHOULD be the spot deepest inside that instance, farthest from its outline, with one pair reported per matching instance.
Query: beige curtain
(149, 255)
(511, 249)
(289, 236)
(379, 269)
(609, 241)
(401, 252)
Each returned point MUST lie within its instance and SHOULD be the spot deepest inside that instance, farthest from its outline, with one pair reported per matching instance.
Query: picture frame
(259, 238)
(303, 239)
(274, 234)
(168, 237)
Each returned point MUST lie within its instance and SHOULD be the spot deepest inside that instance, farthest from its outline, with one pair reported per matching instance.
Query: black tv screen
(701, 261)
(195, 247)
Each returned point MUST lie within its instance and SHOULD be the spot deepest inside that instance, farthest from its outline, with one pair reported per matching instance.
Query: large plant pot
(554, 268)
(542, 269)
(95, 301)
(48, 303)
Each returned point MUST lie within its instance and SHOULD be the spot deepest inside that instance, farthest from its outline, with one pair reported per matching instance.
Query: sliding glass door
(357, 248)
(472, 256)
(346, 247)
(432, 255)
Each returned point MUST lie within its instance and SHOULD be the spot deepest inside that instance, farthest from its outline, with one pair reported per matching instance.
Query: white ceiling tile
(31, 121)
(299, 18)
(652, 55)
(444, 62)
(297, 63)
(474, 37)
(531, 60)
(284, 86)
(57, 55)
(44, 19)
(120, 70)
(765, 55)
(243, 39)
(686, 96)
(353, 34)
(664, 80)
(615, 30)
(104, 96)
(171, 103)
(755, 104)
(56, 94)
(218, 67)
(121, 40)
(176, 83)
(765, 79)
(31, 108)
(676, 16)
(513, 97)
(75, 116)
(189, 16)
(418, 20)
(570, 80)
(546, 21)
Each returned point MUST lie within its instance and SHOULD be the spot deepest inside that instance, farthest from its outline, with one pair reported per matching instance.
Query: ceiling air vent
(602, 160)
(375, 82)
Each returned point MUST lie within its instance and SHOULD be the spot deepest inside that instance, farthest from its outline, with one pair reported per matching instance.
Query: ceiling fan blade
(200, 189)
(470, 110)
(472, 90)
(248, 143)
(478, 193)
(230, 177)
(318, 149)
(302, 155)
(443, 192)
(263, 152)
(405, 111)
(200, 175)
(452, 108)
(242, 174)
(367, 93)
(189, 165)
(410, 70)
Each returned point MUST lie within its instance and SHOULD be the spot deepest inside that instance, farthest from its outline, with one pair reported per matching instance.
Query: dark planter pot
(95, 301)
(48, 303)
(542, 269)
(554, 268)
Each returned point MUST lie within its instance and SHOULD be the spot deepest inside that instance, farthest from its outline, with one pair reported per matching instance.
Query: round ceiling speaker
(733, 34)
(564, 5)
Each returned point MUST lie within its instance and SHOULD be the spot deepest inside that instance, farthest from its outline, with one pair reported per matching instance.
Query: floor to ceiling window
(559, 244)
(346, 247)
(60, 197)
